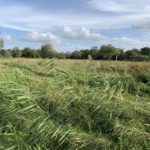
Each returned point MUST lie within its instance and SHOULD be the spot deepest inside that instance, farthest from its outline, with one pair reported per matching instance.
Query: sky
(75, 24)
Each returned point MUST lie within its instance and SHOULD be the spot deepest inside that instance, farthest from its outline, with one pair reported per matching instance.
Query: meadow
(50, 104)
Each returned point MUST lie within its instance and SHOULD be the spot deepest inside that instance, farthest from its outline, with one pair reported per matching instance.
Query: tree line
(105, 52)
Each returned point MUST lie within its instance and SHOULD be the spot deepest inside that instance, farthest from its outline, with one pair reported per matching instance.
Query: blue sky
(75, 24)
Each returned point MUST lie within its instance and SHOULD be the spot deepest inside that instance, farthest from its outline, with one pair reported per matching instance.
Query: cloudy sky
(75, 24)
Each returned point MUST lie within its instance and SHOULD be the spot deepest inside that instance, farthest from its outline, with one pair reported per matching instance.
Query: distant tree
(145, 51)
(94, 52)
(118, 52)
(85, 53)
(28, 52)
(2, 52)
(107, 51)
(37, 53)
(61, 55)
(1, 43)
(16, 52)
(7, 53)
(132, 54)
(76, 55)
(68, 55)
(47, 51)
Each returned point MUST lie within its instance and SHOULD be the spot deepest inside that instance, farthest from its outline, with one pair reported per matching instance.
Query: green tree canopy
(1, 43)
(107, 51)
(16, 52)
(132, 54)
(145, 51)
(30, 53)
(47, 51)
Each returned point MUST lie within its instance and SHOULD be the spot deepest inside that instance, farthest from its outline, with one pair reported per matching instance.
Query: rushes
(64, 105)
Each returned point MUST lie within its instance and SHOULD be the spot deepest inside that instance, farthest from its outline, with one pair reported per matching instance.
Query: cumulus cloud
(129, 42)
(95, 14)
(81, 34)
(40, 37)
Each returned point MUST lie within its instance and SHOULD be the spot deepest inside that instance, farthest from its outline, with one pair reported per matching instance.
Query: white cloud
(27, 18)
(40, 37)
(6, 37)
(119, 6)
(106, 5)
(100, 14)
(81, 34)
(127, 42)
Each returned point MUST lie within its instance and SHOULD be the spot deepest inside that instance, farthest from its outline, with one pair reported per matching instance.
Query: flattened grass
(74, 105)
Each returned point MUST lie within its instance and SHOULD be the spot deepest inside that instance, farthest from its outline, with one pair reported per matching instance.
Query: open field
(74, 105)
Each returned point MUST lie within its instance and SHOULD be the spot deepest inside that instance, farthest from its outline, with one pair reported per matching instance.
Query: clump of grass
(57, 104)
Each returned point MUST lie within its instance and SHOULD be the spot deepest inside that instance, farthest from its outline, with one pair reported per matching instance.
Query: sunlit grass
(74, 105)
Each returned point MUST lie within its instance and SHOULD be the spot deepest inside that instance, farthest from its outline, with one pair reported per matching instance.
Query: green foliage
(82, 105)
(105, 52)
(1, 43)
(29, 53)
(145, 51)
(47, 51)
(4, 53)
(16, 52)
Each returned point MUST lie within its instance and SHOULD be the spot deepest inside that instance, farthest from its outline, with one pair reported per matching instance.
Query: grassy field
(74, 105)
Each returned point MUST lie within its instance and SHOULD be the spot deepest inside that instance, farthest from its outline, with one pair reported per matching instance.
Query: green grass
(74, 105)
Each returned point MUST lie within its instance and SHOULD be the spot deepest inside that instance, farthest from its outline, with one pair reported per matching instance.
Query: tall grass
(74, 105)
